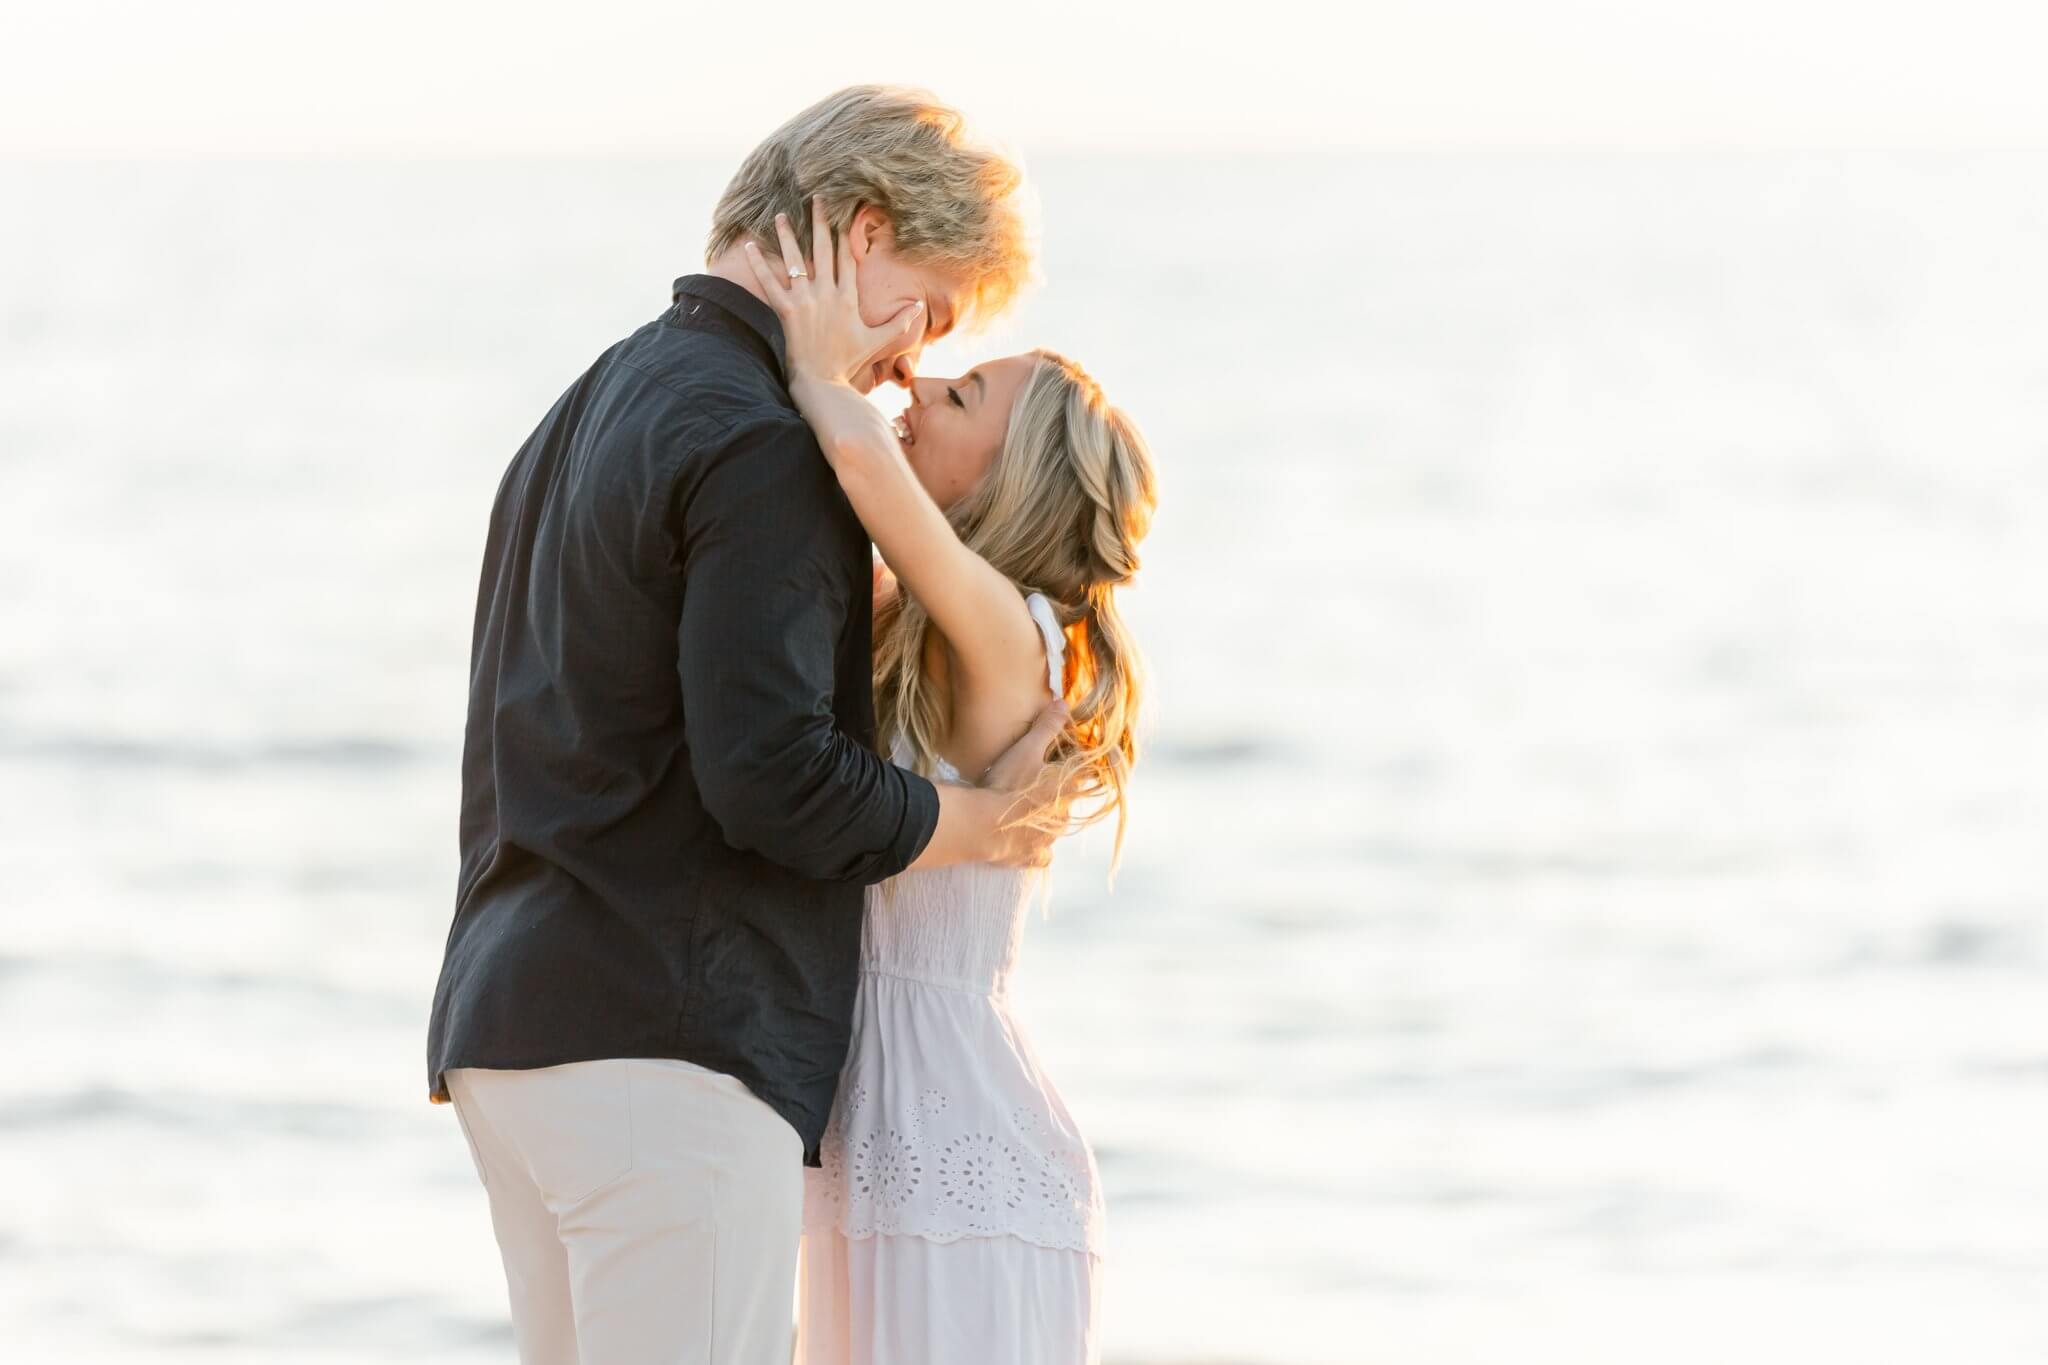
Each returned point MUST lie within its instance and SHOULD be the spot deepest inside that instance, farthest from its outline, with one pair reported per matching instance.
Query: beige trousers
(648, 1211)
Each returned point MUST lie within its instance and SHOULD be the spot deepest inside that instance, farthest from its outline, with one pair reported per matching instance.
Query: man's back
(670, 799)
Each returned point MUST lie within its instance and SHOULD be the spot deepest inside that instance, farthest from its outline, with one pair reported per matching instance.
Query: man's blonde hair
(951, 202)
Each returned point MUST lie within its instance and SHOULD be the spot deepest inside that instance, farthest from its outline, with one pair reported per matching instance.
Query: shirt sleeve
(771, 557)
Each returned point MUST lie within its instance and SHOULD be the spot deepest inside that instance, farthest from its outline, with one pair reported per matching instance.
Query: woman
(958, 1216)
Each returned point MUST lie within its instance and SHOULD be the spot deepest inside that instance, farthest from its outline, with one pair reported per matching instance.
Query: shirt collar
(756, 316)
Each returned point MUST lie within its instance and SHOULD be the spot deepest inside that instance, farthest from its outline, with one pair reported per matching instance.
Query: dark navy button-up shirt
(670, 796)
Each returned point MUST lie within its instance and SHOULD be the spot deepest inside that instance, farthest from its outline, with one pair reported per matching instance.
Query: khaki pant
(648, 1211)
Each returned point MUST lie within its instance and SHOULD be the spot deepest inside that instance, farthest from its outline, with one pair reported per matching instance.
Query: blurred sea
(1585, 900)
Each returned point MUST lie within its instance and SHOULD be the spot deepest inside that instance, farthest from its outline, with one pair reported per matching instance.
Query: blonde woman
(958, 1215)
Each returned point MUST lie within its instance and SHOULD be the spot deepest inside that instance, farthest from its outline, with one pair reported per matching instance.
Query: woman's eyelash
(954, 395)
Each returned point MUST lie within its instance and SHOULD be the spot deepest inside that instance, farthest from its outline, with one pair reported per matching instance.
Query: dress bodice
(958, 926)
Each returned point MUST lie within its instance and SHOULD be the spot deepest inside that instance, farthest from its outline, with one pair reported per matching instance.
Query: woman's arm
(978, 610)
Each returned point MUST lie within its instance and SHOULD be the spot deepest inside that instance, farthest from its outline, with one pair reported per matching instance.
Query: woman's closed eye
(953, 397)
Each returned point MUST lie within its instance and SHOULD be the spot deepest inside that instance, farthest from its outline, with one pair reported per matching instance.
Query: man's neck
(731, 264)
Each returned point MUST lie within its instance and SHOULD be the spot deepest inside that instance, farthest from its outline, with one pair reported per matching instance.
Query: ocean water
(1584, 899)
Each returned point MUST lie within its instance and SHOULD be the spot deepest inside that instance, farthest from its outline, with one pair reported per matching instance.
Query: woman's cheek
(946, 481)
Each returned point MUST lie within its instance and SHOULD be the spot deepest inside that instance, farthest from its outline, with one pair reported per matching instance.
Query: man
(671, 799)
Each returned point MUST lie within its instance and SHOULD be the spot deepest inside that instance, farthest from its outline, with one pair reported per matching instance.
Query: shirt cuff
(920, 820)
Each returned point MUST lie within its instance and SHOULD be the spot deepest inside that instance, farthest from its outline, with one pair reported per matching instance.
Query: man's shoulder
(703, 375)
(727, 428)
(696, 397)
(752, 450)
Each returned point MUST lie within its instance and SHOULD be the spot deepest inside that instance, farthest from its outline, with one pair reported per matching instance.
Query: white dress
(958, 1216)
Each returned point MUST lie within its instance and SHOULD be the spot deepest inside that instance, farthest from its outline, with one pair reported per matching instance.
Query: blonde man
(671, 799)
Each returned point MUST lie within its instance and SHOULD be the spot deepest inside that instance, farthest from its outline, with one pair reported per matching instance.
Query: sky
(612, 77)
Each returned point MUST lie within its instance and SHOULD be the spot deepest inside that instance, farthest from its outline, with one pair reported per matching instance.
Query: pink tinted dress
(958, 1216)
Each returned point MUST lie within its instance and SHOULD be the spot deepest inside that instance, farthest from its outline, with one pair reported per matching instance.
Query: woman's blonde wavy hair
(1060, 512)
(951, 202)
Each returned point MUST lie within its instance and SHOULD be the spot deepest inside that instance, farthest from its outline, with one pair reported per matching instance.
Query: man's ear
(870, 228)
